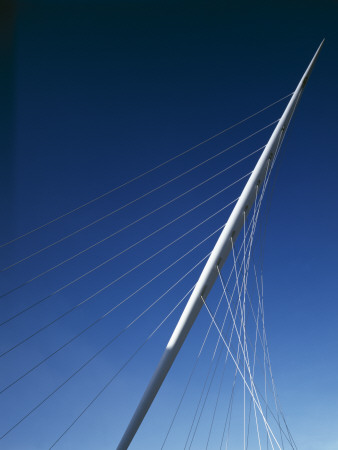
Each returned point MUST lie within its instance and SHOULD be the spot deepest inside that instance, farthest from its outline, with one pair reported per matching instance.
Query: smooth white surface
(216, 259)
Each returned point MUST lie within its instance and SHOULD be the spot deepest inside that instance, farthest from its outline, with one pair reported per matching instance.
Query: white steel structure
(216, 260)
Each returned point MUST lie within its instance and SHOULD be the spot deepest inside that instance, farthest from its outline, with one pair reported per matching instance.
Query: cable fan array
(89, 300)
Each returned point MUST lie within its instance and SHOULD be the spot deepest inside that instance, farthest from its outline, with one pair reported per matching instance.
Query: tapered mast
(216, 260)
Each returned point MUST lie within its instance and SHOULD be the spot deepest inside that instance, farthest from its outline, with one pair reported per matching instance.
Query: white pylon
(216, 260)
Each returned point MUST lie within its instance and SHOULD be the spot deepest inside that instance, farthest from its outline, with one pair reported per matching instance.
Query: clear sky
(96, 93)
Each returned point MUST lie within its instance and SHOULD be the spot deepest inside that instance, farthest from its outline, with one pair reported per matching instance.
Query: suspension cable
(134, 222)
(110, 284)
(112, 340)
(199, 354)
(106, 385)
(144, 173)
(137, 199)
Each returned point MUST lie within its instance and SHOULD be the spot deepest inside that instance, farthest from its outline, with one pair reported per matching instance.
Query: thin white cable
(264, 187)
(214, 353)
(120, 253)
(109, 285)
(263, 190)
(252, 222)
(199, 354)
(222, 327)
(239, 293)
(231, 400)
(143, 174)
(101, 391)
(253, 374)
(243, 318)
(138, 198)
(267, 406)
(240, 372)
(137, 221)
(244, 342)
(254, 365)
(97, 321)
(267, 354)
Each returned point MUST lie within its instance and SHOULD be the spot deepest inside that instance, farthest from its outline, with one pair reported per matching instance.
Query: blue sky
(96, 93)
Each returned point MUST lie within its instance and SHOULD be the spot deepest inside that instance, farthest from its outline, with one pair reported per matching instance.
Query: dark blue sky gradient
(95, 93)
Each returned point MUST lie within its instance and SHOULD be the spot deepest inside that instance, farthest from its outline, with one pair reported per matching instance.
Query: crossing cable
(253, 374)
(241, 374)
(276, 399)
(243, 324)
(218, 397)
(207, 376)
(228, 309)
(77, 418)
(213, 375)
(246, 362)
(265, 344)
(106, 385)
(229, 410)
(224, 291)
(144, 173)
(138, 198)
(255, 217)
(131, 323)
(135, 222)
(261, 395)
(262, 240)
(222, 377)
(97, 353)
(267, 406)
(186, 387)
(117, 279)
(290, 440)
(256, 319)
(201, 349)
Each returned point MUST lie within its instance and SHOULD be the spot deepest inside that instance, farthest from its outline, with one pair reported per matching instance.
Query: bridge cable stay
(235, 311)
(91, 402)
(208, 392)
(244, 281)
(111, 258)
(210, 367)
(255, 346)
(35, 408)
(273, 387)
(201, 349)
(242, 322)
(208, 276)
(121, 252)
(146, 172)
(72, 339)
(199, 354)
(171, 180)
(115, 233)
(87, 362)
(34, 334)
(119, 304)
(111, 283)
(110, 381)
